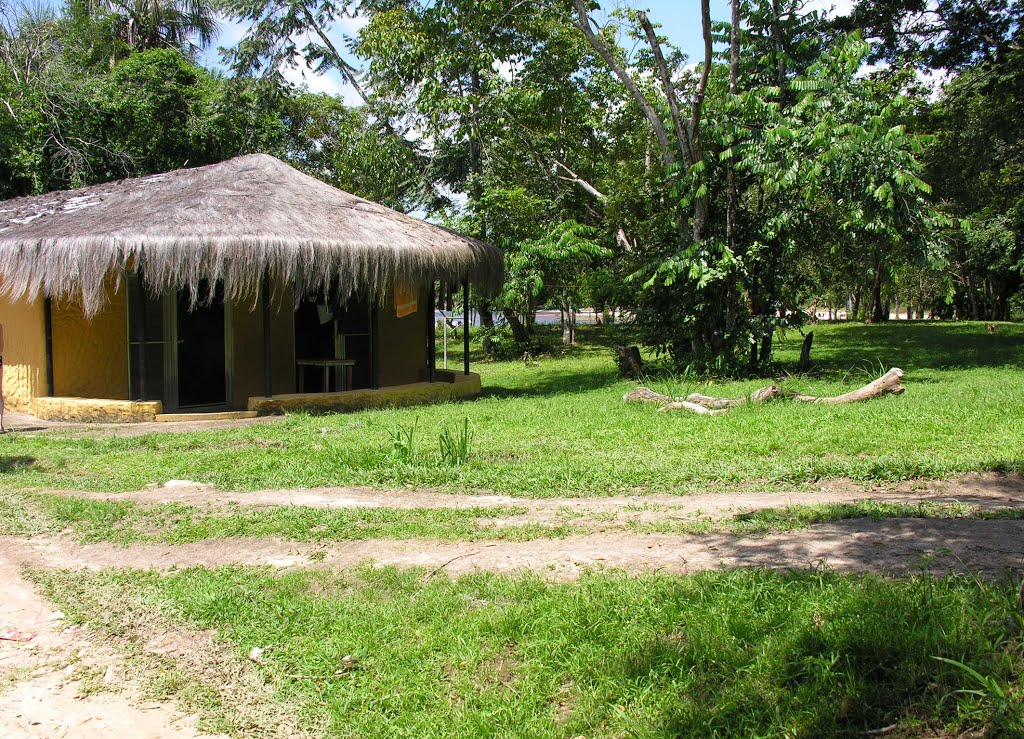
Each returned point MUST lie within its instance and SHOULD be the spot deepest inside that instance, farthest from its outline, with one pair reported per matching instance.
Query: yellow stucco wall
(402, 344)
(417, 393)
(24, 352)
(93, 410)
(90, 356)
(247, 331)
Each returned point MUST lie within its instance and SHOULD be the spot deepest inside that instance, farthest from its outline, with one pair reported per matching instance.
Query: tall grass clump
(454, 445)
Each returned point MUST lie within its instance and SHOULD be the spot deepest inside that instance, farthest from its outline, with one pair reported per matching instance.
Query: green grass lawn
(742, 654)
(561, 428)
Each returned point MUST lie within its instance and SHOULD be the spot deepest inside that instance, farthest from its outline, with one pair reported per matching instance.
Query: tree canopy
(800, 159)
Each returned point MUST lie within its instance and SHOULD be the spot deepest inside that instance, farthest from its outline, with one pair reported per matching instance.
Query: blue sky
(680, 21)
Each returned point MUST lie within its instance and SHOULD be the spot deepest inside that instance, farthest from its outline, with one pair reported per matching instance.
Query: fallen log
(887, 383)
(645, 395)
(768, 392)
(685, 405)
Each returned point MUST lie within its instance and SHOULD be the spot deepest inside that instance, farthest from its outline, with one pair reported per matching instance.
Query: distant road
(544, 317)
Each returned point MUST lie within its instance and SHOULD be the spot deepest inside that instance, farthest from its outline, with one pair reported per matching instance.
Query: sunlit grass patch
(561, 428)
(747, 653)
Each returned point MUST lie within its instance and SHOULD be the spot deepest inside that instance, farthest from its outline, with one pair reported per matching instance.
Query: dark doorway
(201, 360)
(326, 330)
(146, 342)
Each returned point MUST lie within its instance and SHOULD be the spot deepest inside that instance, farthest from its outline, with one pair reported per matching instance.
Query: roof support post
(374, 344)
(142, 338)
(465, 324)
(432, 333)
(268, 373)
(48, 340)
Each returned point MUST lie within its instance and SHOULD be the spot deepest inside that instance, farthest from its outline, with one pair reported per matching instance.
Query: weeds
(403, 442)
(992, 703)
(455, 446)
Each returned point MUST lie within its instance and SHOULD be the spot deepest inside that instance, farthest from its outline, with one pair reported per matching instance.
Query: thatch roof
(230, 222)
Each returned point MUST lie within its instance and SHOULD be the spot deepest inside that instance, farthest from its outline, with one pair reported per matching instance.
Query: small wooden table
(328, 364)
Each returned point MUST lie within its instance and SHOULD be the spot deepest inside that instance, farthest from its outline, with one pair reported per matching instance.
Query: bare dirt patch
(986, 491)
(896, 546)
(63, 683)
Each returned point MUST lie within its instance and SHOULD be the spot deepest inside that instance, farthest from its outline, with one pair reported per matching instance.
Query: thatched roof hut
(232, 223)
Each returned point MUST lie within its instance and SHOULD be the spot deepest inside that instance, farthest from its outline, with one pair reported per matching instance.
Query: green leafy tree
(775, 154)
(550, 267)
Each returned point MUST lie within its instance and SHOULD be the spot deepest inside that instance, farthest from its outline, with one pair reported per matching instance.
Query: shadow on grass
(557, 383)
(14, 464)
(912, 345)
(863, 658)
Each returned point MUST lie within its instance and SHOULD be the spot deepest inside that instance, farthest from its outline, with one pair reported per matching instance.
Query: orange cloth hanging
(405, 299)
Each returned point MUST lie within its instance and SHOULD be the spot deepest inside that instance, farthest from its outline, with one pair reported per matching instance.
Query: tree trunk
(630, 362)
(805, 352)
(645, 395)
(877, 307)
(568, 323)
(769, 392)
(972, 298)
(731, 211)
(886, 384)
(766, 348)
(519, 332)
(483, 308)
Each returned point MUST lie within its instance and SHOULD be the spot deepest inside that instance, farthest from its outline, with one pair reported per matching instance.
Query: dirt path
(47, 684)
(988, 491)
(43, 690)
(857, 545)
(24, 423)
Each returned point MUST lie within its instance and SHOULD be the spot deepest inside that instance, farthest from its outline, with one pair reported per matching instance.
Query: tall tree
(760, 170)
(186, 25)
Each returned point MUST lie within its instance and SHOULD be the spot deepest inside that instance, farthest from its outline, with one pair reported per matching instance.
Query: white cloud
(330, 82)
(866, 70)
(504, 69)
(935, 80)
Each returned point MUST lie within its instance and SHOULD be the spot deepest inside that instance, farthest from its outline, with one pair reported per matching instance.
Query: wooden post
(466, 320)
(48, 340)
(374, 344)
(142, 338)
(431, 335)
(268, 373)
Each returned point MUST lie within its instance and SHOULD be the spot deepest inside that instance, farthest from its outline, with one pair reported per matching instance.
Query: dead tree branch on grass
(889, 383)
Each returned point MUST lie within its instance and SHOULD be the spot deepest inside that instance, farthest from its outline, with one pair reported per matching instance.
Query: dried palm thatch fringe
(231, 222)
